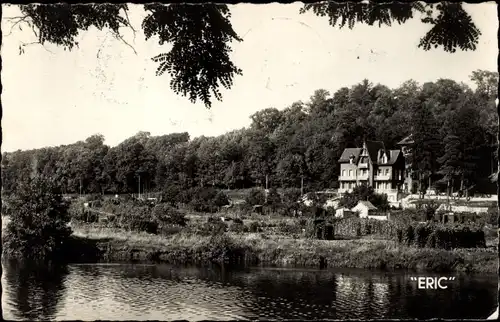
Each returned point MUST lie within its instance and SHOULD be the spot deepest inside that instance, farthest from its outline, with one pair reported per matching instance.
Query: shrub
(273, 200)
(171, 194)
(289, 229)
(238, 227)
(220, 199)
(208, 200)
(255, 197)
(148, 226)
(254, 227)
(222, 249)
(169, 230)
(429, 209)
(422, 233)
(164, 214)
(38, 226)
(364, 192)
(79, 213)
(237, 221)
(408, 235)
(213, 226)
(492, 214)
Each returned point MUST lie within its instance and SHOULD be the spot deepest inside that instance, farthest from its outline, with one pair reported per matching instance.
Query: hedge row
(441, 236)
(432, 235)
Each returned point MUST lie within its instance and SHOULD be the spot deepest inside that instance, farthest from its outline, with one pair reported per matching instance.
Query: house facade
(375, 166)
(406, 145)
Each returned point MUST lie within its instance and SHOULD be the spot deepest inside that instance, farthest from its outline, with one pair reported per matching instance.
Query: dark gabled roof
(392, 155)
(347, 154)
(407, 140)
(373, 148)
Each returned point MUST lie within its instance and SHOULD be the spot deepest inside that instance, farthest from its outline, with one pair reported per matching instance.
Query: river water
(166, 292)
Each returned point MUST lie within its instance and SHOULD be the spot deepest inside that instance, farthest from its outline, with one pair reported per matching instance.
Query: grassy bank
(111, 244)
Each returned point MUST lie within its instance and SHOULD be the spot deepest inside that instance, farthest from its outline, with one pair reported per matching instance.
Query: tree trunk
(420, 185)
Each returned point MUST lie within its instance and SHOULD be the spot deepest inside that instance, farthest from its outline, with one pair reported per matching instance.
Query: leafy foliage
(301, 143)
(62, 22)
(166, 215)
(363, 192)
(39, 218)
(256, 197)
(446, 19)
(198, 61)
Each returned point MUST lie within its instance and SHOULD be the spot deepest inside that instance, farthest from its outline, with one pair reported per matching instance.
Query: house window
(343, 173)
(350, 173)
(379, 172)
(386, 172)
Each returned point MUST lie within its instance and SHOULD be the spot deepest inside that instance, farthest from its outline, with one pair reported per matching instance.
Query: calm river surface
(166, 292)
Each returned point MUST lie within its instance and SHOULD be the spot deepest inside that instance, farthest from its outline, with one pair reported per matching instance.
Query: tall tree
(451, 161)
(426, 145)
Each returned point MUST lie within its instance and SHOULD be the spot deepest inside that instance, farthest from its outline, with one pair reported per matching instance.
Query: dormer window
(384, 158)
(351, 159)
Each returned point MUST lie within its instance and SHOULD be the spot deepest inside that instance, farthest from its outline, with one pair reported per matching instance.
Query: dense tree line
(453, 126)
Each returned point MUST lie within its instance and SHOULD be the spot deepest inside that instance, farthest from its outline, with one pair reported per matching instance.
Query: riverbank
(115, 245)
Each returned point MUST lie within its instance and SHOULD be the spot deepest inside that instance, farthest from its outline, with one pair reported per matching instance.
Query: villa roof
(407, 140)
(373, 147)
(347, 154)
(392, 156)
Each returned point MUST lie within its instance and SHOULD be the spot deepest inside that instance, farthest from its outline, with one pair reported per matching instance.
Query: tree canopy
(301, 143)
(200, 35)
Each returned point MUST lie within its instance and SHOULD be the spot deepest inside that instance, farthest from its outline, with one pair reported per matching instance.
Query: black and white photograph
(243, 161)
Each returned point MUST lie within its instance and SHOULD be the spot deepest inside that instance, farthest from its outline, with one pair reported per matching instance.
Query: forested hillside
(454, 128)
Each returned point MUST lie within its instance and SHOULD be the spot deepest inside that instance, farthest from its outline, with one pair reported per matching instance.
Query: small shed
(343, 213)
(364, 208)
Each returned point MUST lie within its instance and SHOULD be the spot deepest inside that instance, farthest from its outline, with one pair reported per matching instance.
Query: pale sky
(52, 97)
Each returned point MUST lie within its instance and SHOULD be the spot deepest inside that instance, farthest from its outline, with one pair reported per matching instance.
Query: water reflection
(164, 292)
(33, 291)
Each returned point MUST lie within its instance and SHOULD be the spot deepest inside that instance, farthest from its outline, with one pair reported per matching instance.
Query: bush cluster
(213, 226)
(135, 215)
(208, 200)
(39, 217)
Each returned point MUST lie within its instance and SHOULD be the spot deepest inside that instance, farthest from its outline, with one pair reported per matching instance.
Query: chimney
(351, 159)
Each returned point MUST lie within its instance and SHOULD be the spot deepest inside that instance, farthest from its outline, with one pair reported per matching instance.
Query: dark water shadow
(34, 290)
